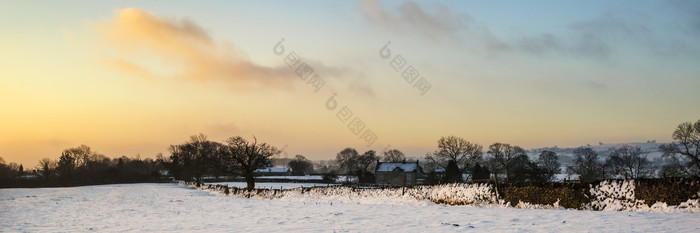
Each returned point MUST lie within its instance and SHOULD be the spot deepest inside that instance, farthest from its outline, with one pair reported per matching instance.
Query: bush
(672, 191)
(568, 195)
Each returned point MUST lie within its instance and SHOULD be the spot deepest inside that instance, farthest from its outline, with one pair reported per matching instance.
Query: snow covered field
(171, 207)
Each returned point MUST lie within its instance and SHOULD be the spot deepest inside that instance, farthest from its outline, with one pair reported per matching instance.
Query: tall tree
(365, 160)
(394, 156)
(587, 164)
(451, 148)
(348, 159)
(504, 157)
(193, 158)
(686, 143)
(248, 156)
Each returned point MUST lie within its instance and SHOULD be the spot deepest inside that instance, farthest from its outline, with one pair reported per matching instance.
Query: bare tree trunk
(250, 180)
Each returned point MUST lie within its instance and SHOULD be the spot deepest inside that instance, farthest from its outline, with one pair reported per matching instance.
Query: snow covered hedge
(613, 195)
(619, 195)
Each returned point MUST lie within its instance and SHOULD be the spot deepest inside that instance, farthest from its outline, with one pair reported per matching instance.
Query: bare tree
(506, 157)
(629, 161)
(686, 143)
(394, 156)
(246, 157)
(47, 167)
(451, 148)
(587, 164)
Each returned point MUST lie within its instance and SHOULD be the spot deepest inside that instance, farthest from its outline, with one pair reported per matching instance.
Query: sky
(314, 77)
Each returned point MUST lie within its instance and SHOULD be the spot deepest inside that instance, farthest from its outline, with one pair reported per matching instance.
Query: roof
(273, 170)
(406, 167)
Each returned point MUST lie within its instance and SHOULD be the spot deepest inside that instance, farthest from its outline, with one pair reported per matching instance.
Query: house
(399, 174)
(273, 171)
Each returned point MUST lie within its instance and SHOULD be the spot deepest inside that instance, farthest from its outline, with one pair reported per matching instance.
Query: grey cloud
(439, 23)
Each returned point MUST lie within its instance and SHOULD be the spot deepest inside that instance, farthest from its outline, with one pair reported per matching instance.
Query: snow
(306, 177)
(388, 167)
(618, 195)
(171, 207)
(272, 170)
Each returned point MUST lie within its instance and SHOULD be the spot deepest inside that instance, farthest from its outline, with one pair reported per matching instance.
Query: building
(273, 171)
(399, 174)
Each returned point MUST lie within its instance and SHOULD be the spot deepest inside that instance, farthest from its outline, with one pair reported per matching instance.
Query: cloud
(439, 23)
(689, 12)
(595, 38)
(181, 49)
(541, 44)
(183, 46)
(596, 85)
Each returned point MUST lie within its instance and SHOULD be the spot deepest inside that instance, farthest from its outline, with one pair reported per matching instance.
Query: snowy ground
(170, 207)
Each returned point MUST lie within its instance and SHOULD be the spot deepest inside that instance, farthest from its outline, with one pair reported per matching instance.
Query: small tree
(480, 172)
(686, 144)
(452, 173)
(301, 166)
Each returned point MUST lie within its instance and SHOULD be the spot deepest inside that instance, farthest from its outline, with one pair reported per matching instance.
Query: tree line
(457, 156)
(454, 157)
(81, 166)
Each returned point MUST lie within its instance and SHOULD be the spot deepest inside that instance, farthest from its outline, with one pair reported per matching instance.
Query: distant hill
(651, 148)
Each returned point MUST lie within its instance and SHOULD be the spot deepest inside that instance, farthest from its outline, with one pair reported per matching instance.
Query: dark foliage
(452, 173)
(301, 166)
(480, 172)
(569, 195)
(81, 166)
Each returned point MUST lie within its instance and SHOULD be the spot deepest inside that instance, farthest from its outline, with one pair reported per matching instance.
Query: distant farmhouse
(273, 171)
(399, 174)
